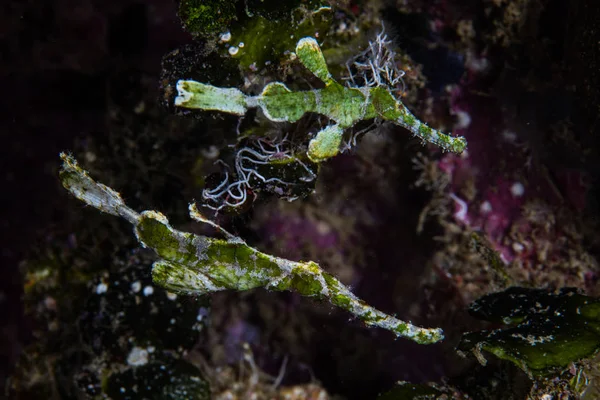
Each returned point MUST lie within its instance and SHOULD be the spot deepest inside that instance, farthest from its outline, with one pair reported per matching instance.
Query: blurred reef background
(498, 246)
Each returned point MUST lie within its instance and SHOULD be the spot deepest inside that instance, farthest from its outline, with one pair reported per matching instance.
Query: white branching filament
(375, 66)
(247, 159)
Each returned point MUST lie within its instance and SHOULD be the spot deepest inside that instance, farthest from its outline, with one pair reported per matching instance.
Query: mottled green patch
(384, 104)
(553, 329)
(326, 144)
(167, 244)
(280, 104)
(458, 145)
(238, 266)
(266, 36)
(344, 105)
(206, 16)
(304, 283)
(157, 235)
(333, 283)
(408, 118)
(310, 54)
(341, 301)
(424, 131)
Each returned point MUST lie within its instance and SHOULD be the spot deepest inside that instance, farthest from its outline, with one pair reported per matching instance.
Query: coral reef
(287, 146)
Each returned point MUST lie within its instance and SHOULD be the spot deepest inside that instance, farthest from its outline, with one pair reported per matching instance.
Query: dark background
(59, 61)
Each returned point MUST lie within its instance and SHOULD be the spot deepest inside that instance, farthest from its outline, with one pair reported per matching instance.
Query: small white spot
(461, 213)
(517, 247)
(517, 189)
(122, 390)
(485, 207)
(171, 296)
(90, 157)
(136, 286)
(49, 303)
(509, 136)
(202, 312)
(241, 45)
(151, 349)
(323, 228)
(101, 288)
(137, 356)
(477, 64)
(172, 321)
(233, 50)
(212, 152)
(463, 119)
(225, 37)
(148, 290)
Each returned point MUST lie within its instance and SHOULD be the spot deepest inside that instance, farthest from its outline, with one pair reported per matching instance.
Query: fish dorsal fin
(309, 52)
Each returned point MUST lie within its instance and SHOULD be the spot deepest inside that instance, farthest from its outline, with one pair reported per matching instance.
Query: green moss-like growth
(255, 31)
(206, 16)
(552, 331)
(267, 35)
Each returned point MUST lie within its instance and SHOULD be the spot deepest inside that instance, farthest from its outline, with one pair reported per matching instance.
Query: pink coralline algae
(527, 208)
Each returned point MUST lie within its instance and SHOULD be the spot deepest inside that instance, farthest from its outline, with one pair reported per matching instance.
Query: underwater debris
(102, 329)
(345, 106)
(249, 381)
(552, 329)
(170, 379)
(196, 264)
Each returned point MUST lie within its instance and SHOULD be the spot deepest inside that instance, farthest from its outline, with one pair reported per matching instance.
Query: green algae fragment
(552, 329)
(206, 16)
(481, 246)
(344, 106)
(196, 264)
